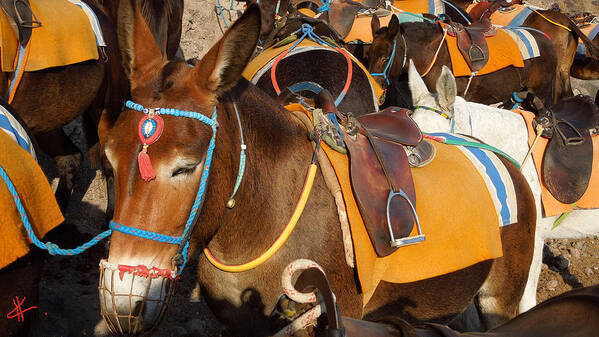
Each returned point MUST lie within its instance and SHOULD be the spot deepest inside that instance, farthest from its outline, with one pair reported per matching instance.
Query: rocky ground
(69, 298)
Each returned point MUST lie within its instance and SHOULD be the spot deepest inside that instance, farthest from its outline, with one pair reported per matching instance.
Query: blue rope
(384, 73)
(220, 12)
(140, 233)
(326, 5)
(517, 101)
(52, 248)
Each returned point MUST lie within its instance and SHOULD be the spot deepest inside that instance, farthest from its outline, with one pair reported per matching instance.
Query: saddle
(472, 42)
(380, 172)
(568, 158)
(21, 17)
(484, 9)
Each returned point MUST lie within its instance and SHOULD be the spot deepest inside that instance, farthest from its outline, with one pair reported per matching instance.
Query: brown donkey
(565, 36)
(50, 98)
(138, 277)
(424, 39)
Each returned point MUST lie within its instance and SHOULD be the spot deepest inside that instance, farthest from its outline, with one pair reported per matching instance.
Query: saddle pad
(15, 130)
(513, 16)
(503, 53)
(591, 31)
(262, 63)
(361, 30)
(526, 42)
(64, 38)
(36, 196)
(435, 7)
(551, 206)
(473, 220)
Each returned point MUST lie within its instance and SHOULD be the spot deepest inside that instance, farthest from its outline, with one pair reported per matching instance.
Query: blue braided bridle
(180, 258)
(387, 70)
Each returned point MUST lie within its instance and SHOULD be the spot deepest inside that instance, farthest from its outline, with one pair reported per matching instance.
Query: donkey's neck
(278, 156)
(423, 40)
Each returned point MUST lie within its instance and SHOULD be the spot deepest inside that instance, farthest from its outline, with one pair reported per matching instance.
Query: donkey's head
(160, 150)
(387, 55)
(433, 112)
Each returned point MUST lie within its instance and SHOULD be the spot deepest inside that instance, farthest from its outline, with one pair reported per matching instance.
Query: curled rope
(309, 316)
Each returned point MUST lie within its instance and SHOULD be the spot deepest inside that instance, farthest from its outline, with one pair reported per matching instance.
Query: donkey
(564, 34)
(423, 40)
(482, 121)
(51, 98)
(324, 66)
(277, 148)
(163, 17)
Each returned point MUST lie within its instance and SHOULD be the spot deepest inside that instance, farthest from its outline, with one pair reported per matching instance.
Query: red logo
(18, 311)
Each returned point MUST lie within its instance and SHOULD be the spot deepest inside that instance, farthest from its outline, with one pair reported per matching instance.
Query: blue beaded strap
(241, 168)
(52, 248)
(173, 112)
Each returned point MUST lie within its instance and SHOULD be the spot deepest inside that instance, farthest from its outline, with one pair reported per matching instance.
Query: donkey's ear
(222, 66)
(446, 88)
(417, 86)
(375, 24)
(393, 27)
(139, 51)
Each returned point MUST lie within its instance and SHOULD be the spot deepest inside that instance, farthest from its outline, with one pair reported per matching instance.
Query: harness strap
(436, 54)
(472, 144)
(297, 212)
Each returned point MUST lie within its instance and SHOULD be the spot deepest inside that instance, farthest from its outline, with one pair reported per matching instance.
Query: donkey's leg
(67, 158)
(529, 298)
(499, 297)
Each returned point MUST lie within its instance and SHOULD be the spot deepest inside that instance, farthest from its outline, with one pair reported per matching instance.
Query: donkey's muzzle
(134, 299)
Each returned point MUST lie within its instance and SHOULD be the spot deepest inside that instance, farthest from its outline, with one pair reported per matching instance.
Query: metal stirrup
(408, 240)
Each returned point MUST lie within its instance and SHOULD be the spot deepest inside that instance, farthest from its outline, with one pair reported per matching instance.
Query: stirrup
(476, 53)
(408, 240)
(34, 23)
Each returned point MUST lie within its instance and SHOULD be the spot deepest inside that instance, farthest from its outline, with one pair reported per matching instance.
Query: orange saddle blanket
(65, 37)
(504, 52)
(450, 214)
(35, 194)
(552, 207)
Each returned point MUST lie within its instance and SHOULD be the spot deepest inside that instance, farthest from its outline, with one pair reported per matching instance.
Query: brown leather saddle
(472, 42)
(380, 172)
(21, 17)
(484, 9)
(568, 159)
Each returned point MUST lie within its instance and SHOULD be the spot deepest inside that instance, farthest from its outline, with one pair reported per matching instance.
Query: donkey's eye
(185, 169)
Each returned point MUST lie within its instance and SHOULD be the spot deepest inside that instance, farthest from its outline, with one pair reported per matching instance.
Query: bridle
(439, 112)
(180, 258)
(387, 70)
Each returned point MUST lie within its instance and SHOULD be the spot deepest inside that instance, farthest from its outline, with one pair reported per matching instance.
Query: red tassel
(145, 165)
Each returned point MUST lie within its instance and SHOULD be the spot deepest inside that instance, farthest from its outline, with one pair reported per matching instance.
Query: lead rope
(436, 53)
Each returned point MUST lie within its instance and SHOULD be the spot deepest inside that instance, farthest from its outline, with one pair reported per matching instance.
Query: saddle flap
(371, 189)
(392, 124)
(472, 43)
(567, 168)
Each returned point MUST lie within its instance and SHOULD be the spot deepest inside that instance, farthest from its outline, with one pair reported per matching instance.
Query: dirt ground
(69, 298)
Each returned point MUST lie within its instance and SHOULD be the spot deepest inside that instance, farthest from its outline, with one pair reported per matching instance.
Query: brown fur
(423, 39)
(279, 153)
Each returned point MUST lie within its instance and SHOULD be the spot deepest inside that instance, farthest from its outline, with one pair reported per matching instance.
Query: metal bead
(231, 203)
